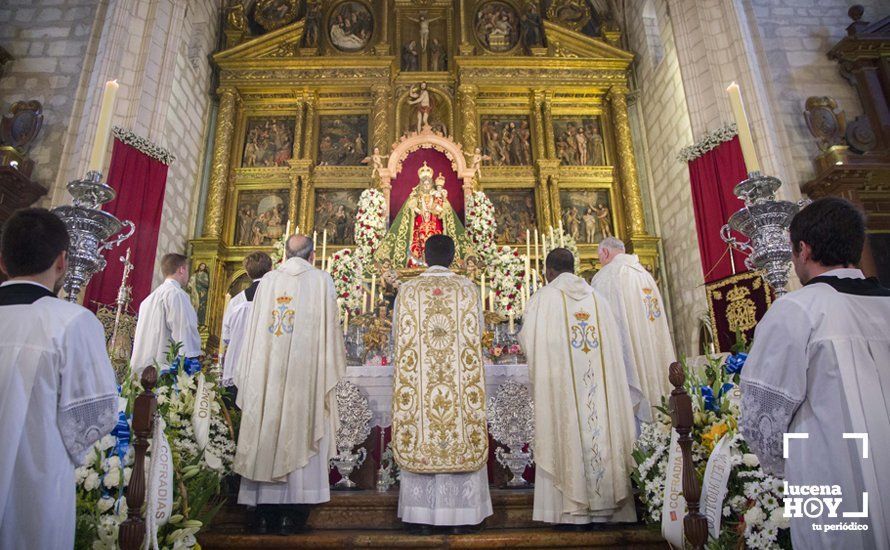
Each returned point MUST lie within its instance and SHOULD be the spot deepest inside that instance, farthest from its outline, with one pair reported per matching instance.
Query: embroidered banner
(714, 484)
(737, 303)
(674, 508)
(160, 485)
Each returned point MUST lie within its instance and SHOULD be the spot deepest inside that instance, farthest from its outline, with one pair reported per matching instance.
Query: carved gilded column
(469, 131)
(309, 122)
(298, 129)
(222, 153)
(627, 166)
(380, 117)
(554, 200)
(548, 125)
(538, 121)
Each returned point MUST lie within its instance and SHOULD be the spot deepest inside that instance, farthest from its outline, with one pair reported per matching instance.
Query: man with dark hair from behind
(437, 335)
(584, 414)
(58, 393)
(820, 365)
(237, 314)
(166, 315)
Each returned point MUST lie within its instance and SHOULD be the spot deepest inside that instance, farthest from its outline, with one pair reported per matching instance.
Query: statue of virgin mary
(426, 212)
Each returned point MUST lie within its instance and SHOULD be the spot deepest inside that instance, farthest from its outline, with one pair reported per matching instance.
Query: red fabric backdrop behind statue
(407, 180)
(139, 181)
(713, 176)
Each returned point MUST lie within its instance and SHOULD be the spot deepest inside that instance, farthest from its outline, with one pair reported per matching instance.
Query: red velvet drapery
(713, 177)
(407, 180)
(139, 181)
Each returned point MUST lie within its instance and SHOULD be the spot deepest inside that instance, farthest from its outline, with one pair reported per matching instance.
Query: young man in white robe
(820, 365)
(584, 422)
(238, 312)
(167, 315)
(292, 358)
(58, 394)
(639, 310)
(439, 429)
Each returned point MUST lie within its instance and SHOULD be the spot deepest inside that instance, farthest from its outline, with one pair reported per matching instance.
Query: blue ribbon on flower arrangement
(121, 433)
(707, 392)
(735, 362)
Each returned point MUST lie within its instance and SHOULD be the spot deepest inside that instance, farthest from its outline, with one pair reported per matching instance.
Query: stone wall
(666, 124)
(49, 40)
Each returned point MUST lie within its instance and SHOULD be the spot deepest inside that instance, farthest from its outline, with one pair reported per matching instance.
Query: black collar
(250, 291)
(17, 294)
(856, 287)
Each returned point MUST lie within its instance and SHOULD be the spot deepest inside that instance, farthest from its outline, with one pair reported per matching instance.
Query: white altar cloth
(376, 383)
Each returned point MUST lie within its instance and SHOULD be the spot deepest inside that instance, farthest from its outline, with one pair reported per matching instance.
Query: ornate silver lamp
(355, 426)
(764, 220)
(90, 229)
(511, 421)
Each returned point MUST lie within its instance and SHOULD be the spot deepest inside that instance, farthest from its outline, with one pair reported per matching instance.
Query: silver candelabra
(764, 220)
(90, 229)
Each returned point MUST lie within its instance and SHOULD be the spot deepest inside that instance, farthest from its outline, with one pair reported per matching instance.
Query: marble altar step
(634, 537)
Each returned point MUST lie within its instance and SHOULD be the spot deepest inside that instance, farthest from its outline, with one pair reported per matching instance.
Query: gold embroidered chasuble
(439, 424)
(583, 412)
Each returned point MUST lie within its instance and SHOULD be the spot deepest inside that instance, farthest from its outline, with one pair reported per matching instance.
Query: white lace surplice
(820, 365)
(444, 499)
(57, 397)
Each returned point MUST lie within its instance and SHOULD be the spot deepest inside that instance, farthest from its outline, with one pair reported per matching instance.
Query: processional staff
(123, 300)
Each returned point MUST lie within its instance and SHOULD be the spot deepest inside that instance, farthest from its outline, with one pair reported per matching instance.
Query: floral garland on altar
(347, 270)
(752, 511)
(710, 141)
(370, 223)
(143, 145)
(102, 479)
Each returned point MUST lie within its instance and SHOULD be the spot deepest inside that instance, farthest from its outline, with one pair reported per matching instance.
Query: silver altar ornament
(765, 221)
(90, 229)
(354, 413)
(511, 420)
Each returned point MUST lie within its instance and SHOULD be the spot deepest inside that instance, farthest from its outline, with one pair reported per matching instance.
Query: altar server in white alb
(584, 422)
(293, 357)
(440, 434)
(166, 314)
(639, 310)
(820, 365)
(58, 394)
(238, 312)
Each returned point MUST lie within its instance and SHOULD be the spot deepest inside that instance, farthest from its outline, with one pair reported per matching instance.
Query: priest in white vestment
(238, 312)
(166, 315)
(58, 393)
(820, 365)
(639, 311)
(292, 358)
(439, 429)
(584, 420)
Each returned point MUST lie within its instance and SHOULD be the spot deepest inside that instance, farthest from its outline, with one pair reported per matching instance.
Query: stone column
(469, 131)
(380, 117)
(222, 154)
(627, 166)
(548, 125)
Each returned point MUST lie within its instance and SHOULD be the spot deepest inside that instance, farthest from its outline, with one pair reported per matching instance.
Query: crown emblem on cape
(284, 299)
(582, 316)
(425, 172)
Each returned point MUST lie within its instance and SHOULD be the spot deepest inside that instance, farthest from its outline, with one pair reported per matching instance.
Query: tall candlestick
(562, 240)
(373, 290)
(741, 120)
(103, 129)
(537, 252)
(528, 244)
(491, 297)
(346, 321)
(324, 248)
(511, 326)
(482, 291)
(364, 299)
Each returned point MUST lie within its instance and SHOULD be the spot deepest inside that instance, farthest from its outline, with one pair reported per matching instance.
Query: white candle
(324, 249)
(528, 244)
(537, 252)
(741, 120)
(562, 241)
(103, 129)
(287, 231)
(364, 299)
(482, 290)
(346, 321)
(373, 290)
(511, 326)
(491, 296)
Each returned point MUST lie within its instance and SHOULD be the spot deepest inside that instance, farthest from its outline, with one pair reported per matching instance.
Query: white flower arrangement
(565, 241)
(347, 271)
(710, 141)
(753, 508)
(370, 223)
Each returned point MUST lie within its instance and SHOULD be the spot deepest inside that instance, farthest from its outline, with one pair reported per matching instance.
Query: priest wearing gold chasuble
(439, 429)
(584, 418)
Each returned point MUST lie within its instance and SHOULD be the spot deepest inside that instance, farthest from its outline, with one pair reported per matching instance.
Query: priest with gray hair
(293, 355)
(633, 294)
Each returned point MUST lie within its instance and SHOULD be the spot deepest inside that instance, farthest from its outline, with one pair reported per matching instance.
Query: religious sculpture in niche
(530, 26)
(274, 14)
(342, 140)
(426, 212)
(422, 109)
(261, 217)
(586, 214)
(506, 140)
(335, 213)
(312, 24)
(351, 26)
(198, 287)
(579, 141)
(514, 212)
(268, 142)
(497, 26)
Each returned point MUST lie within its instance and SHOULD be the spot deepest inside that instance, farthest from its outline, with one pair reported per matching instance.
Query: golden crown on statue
(425, 172)
(440, 181)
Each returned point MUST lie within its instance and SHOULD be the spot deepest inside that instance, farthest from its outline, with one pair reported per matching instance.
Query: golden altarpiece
(303, 106)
